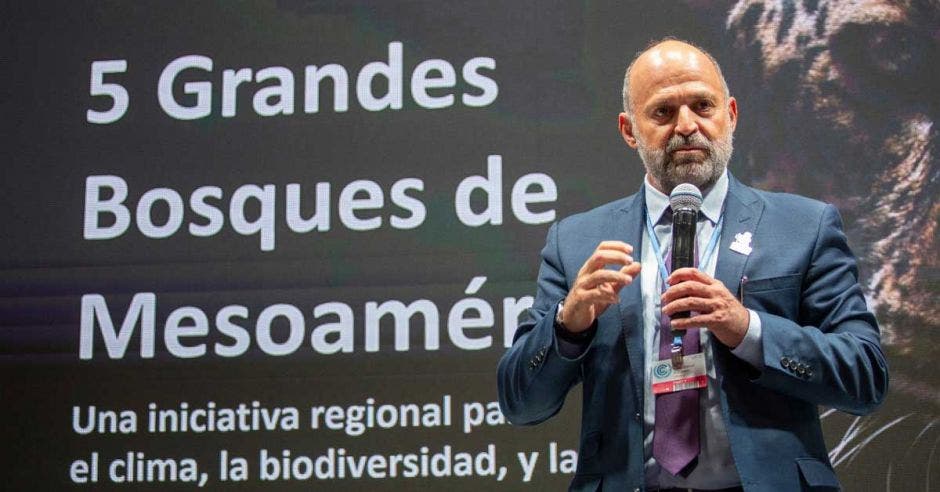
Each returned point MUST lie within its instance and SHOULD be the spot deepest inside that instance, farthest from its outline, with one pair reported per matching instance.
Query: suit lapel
(742, 214)
(743, 211)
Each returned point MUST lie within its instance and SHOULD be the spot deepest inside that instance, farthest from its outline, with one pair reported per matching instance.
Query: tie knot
(666, 218)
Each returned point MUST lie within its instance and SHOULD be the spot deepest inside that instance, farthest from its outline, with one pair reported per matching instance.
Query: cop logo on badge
(662, 371)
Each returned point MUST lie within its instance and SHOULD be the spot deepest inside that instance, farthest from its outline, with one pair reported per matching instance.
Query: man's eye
(660, 112)
(705, 105)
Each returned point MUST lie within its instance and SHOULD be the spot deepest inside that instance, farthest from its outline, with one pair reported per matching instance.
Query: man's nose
(685, 124)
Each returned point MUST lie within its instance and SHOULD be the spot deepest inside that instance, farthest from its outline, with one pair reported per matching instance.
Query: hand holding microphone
(693, 290)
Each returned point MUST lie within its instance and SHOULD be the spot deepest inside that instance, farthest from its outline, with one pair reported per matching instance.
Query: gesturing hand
(596, 287)
(716, 308)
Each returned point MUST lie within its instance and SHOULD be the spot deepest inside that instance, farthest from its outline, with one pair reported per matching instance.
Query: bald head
(663, 58)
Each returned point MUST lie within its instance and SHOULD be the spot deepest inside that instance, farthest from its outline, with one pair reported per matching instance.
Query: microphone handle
(683, 243)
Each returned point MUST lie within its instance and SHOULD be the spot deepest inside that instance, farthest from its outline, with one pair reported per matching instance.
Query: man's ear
(626, 130)
(733, 112)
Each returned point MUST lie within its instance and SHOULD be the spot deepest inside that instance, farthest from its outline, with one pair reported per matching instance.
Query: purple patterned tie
(676, 428)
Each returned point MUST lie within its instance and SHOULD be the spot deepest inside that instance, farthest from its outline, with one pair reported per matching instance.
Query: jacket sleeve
(533, 376)
(836, 358)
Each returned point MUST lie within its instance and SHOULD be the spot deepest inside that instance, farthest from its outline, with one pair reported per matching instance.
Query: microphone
(685, 201)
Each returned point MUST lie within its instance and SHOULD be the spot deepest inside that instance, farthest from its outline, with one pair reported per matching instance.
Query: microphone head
(685, 196)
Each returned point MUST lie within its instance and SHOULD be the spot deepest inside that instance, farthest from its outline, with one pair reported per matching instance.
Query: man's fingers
(612, 291)
(603, 257)
(608, 253)
(599, 296)
(616, 246)
(698, 304)
(598, 287)
(711, 304)
(633, 269)
(687, 323)
(686, 289)
(708, 320)
(600, 259)
(599, 277)
(686, 274)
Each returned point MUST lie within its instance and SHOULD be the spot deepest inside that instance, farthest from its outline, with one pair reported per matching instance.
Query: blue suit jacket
(802, 282)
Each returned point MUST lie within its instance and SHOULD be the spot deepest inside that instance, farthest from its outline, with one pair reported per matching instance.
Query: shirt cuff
(751, 350)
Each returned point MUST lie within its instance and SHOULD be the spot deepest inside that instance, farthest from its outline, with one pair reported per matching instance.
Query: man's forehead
(674, 58)
(661, 56)
(672, 63)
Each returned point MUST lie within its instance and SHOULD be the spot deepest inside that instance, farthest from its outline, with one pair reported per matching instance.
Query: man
(803, 335)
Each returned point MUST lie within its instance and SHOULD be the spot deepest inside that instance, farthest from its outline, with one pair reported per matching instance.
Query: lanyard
(703, 261)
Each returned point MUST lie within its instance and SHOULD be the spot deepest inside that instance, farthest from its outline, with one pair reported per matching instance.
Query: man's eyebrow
(698, 95)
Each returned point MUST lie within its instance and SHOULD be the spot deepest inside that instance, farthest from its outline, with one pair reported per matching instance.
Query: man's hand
(718, 310)
(596, 287)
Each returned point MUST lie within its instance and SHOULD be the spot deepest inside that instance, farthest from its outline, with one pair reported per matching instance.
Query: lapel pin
(742, 243)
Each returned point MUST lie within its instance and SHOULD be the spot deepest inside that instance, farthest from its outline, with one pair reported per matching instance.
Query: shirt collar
(657, 202)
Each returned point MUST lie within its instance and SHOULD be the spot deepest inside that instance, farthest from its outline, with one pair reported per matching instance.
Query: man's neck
(650, 180)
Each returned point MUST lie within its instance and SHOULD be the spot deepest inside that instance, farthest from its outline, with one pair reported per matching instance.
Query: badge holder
(676, 352)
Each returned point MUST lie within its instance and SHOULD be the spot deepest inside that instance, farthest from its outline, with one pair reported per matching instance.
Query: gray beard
(671, 172)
